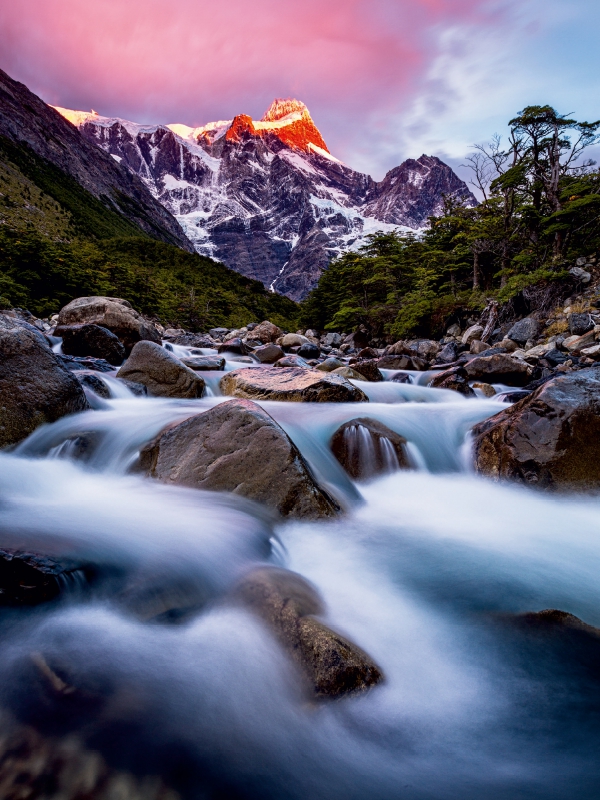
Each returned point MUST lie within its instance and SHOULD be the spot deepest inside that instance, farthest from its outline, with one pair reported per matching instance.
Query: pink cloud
(192, 61)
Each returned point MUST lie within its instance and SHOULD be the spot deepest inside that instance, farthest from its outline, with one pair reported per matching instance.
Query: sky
(384, 80)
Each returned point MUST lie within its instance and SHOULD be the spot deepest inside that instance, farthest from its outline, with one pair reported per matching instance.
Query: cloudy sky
(384, 79)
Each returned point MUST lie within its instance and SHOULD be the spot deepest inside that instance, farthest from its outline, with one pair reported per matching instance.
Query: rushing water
(420, 572)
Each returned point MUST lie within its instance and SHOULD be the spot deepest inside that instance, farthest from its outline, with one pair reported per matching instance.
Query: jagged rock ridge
(266, 197)
(26, 121)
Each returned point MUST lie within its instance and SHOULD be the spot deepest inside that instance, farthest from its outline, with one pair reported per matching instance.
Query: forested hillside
(539, 215)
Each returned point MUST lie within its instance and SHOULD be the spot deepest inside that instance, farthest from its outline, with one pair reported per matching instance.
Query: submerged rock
(161, 373)
(549, 438)
(292, 384)
(237, 447)
(285, 601)
(35, 386)
(113, 313)
(28, 579)
(366, 448)
(91, 340)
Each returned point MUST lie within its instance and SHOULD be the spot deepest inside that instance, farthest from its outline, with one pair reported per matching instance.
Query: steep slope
(45, 161)
(266, 197)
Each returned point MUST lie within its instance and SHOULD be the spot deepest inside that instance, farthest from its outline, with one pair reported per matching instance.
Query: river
(421, 571)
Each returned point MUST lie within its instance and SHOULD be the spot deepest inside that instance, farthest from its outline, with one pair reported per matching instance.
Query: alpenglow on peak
(280, 108)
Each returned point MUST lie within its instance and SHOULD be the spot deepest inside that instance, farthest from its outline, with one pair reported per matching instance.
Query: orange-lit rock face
(240, 125)
(289, 120)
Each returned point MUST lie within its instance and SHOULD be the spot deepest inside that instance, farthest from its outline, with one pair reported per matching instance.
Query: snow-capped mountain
(266, 197)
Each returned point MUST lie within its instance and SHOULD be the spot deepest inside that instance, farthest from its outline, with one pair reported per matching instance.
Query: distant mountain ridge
(38, 145)
(266, 197)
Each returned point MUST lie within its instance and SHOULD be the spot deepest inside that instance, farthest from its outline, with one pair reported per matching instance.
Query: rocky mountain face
(266, 197)
(29, 126)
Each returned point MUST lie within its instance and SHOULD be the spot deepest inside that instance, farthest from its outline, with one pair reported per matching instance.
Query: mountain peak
(281, 108)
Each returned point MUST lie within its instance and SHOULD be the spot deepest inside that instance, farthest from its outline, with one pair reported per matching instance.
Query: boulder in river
(549, 438)
(237, 447)
(367, 368)
(268, 353)
(454, 378)
(309, 351)
(292, 384)
(292, 361)
(235, 345)
(330, 364)
(348, 372)
(395, 362)
(499, 368)
(292, 340)
(28, 579)
(87, 339)
(204, 363)
(366, 448)
(161, 373)
(110, 312)
(35, 386)
(286, 602)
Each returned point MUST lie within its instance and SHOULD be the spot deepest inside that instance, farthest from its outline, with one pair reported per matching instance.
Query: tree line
(539, 212)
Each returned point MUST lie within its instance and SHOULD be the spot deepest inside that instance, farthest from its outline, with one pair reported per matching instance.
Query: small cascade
(368, 453)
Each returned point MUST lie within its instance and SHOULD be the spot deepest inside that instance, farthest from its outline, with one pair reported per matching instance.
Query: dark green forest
(539, 213)
(58, 242)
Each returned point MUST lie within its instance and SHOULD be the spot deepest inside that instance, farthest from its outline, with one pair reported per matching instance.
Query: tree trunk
(476, 271)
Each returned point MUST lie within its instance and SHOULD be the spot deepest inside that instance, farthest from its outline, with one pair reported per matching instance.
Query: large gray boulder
(524, 330)
(87, 339)
(266, 332)
(548, 439)
(35, 386)
(237, 447)
(160, 372)
(333, 665)
(366, 448)
(113, 313)
(499, 368)
(290, 383)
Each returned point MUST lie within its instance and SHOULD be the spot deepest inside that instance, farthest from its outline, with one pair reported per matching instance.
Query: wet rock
(113, 313)
(235, 345)
(87, 339)
(368, 369)
(402, 377)
(308, 351)
(485, 388)
(28, 579)
(204, 363)
(426, 349)
(76, 363)
(237, 447)
(580, 323)
(292, 384)
(268, 353)
(138, 389)
(161, 373)
(367, 352)
(333, 665)
(35, 386)
(349, 373)
(35, 767)
(523, 330)
(513, 397)
(366, 448)
(330, 364)
(94, 383)
(292, 361)
(395, 362)
(549, 438)
(474, 332)
(266, 332)
(218, 333)
(498, 368)
(448, 353)
(455, 378)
